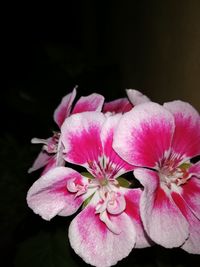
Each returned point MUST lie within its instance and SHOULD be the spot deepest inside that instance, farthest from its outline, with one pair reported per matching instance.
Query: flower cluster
(157, 144)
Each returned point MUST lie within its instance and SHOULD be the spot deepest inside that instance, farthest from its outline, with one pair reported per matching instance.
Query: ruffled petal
(120, 105)
(144, 134)
(80, 134)
(64, 108)
(132, 198)
(186, 140)
(49, 195)
(191, 245)
(95, 243)
(162, 219)
(114, 165)
(136, 97)
(93, 102)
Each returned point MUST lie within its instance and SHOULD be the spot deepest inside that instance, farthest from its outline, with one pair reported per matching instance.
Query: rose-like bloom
(109, 225)
(164, 140)
(125, 104)
(51, 154)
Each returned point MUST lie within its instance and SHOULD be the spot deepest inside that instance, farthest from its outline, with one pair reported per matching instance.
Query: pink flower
(109, 225)
(51, 154)
(123, 105)
(163, 140)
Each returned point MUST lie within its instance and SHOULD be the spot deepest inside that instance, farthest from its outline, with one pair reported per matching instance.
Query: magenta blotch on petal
(144, 134)
(81, 138)
(115, 165)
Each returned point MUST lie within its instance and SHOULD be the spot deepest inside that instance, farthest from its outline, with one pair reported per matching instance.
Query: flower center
(103, 182)
(174, 175)
(110, 201)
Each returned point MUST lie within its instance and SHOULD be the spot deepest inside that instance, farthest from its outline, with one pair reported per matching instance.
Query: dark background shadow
(103, 47)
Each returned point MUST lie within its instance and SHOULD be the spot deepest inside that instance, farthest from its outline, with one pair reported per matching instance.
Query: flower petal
(186, 140)
(136, 97)
(80, 135)
(132, 197)
(50, 165)
(64, 108)
(144, 134)
(191, 194)
(162, 219)
(42, 159)
(95, 243)
(114, 165)
(195, 169)
(49, 196)
(120, 105)
(93, 102)
(192, 243)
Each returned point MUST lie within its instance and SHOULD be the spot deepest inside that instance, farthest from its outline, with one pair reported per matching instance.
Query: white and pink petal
(136, 97)
(95, 243)
(162, 219)
(144, 135)
(42, 159)
(195, 169)
(132, 198)
(64, 108)
(50, 165)
(191, 195)
(114, 165)
(120, 105)
(191, 245)
(93, 102)
(80, 135)
(186, 139)
(49, 195)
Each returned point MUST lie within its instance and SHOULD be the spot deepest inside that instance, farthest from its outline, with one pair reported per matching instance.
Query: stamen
(39, 141)
(172, 173)
(111, 203)
(74, 187)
